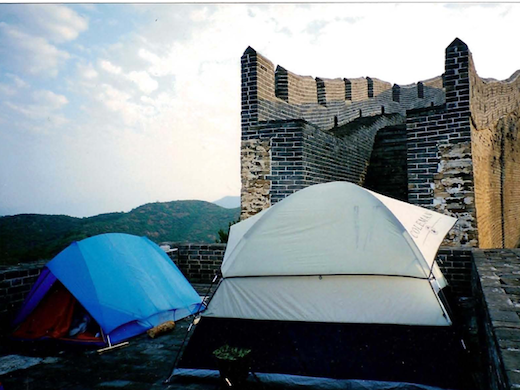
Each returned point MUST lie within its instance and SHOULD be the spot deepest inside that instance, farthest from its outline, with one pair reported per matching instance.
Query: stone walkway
(499, 271)
(144, 364)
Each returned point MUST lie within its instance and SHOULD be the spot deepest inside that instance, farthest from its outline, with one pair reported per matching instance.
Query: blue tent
(122, 283)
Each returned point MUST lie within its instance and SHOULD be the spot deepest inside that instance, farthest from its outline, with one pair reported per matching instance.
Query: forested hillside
(30, 237)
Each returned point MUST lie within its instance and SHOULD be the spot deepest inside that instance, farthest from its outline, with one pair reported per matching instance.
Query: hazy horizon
(106, 107)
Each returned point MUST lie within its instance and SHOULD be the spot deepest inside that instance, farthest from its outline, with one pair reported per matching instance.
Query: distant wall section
(495, 110)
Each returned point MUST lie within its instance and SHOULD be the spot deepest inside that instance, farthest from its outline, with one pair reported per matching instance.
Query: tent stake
(112, 347)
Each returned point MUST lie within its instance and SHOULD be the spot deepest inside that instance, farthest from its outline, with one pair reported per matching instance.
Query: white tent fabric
(335, 252)
(344, 299)
(427, 228)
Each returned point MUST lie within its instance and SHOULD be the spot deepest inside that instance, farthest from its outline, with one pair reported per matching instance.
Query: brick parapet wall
(343, 155)
(456, 265)
(199, 263)
(15, 284)
(249, 113)
(337, 113)
(492, 99)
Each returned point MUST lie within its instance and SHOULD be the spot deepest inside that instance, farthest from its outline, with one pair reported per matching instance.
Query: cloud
(109, 67)
(87, 71)
(7, 90)
(42, 112)
(41, 118)
(33, 55)
(19, 83)
(131, 113)
(31, 35)
(143, 80)
(53, 22)
(49, 99)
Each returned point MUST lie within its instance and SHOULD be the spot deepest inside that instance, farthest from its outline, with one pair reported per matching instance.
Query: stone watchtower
(448, 143)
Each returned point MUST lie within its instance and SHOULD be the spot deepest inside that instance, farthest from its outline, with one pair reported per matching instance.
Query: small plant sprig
(230, 353)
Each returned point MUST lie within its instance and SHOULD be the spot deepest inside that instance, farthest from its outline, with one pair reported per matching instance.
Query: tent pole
(195, 321)
(102, 334)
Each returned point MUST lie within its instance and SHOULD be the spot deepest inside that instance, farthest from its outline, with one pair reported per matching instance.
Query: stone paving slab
(499, 273)
(144, 364)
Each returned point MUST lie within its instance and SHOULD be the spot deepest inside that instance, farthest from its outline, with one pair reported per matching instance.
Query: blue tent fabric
(126, 283)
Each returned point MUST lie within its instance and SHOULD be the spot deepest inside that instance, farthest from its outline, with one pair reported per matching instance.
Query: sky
(105, 107)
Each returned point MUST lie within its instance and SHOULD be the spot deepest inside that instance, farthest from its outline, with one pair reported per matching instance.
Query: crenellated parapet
(270, 93)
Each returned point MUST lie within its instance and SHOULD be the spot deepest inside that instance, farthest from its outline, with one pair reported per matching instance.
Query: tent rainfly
(105, 289)
(332, 273)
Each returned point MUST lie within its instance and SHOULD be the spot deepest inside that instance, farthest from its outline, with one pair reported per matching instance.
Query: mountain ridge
(31, 237)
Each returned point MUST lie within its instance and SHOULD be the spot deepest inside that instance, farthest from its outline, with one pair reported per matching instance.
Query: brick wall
(456, 265)
(509, 127)
(495, 107)
(459, 108)
(454, 192)
(255, 164)
(198, 262)
(271, 163)
(344, 153)
(486, 151)
(386, 173)
(440, 170)
(15, 283)
(282, 157)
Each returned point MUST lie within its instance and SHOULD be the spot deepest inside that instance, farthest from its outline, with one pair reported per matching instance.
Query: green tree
(223, 236)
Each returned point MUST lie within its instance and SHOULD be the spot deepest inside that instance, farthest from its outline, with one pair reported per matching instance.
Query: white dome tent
(331, 282)
(335, 240)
